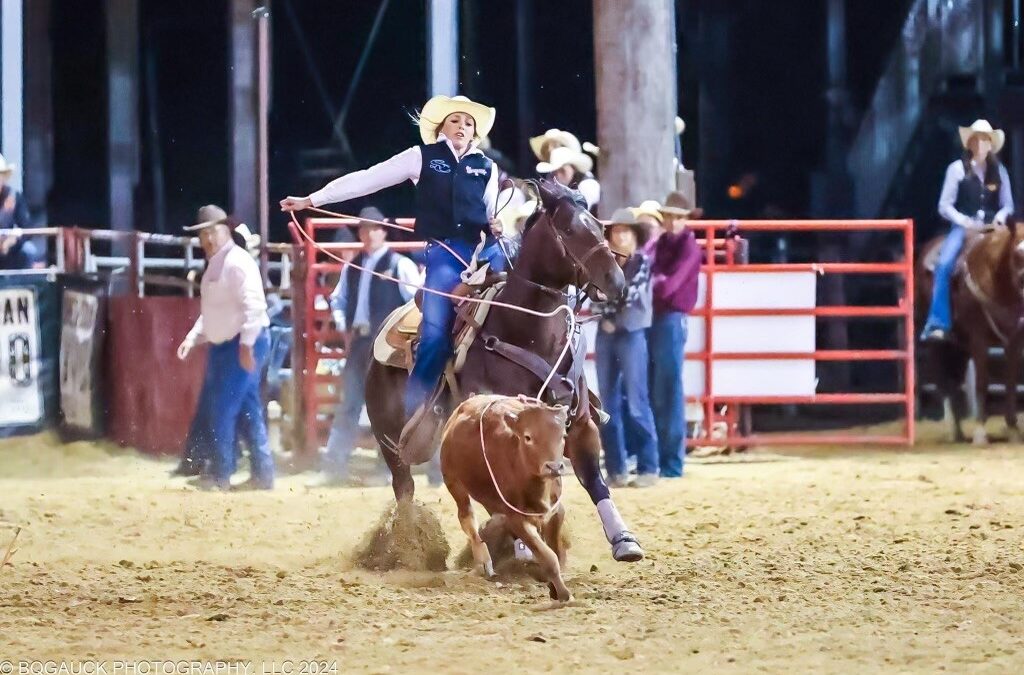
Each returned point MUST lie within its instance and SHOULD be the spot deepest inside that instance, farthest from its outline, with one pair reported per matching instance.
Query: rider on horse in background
(975, 194)
(456, 194)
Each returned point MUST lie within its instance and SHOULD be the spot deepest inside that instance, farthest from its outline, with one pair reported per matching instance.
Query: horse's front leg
(385, 407)
(979, 355)
(583, 447)
(1012, 371)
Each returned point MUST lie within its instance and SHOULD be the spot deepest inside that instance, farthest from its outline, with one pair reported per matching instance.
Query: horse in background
(987, 296)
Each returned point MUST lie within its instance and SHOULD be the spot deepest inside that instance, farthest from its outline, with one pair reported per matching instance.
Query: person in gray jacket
(621, 348)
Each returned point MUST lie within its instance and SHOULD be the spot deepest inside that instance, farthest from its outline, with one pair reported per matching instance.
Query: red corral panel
(151, 394)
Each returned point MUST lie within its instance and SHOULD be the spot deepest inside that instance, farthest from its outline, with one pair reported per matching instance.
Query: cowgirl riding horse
(456, 190)
(975, 194)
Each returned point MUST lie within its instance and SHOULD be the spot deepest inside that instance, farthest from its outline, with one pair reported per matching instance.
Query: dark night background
(776, 113)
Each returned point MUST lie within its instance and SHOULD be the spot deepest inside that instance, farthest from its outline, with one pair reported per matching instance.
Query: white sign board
(739, 334)
(76, 355)
(21, 399)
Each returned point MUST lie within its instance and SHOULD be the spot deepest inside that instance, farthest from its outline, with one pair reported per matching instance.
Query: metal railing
(151, 259)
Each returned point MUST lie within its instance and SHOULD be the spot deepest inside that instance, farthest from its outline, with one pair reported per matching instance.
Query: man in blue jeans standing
(360, 303)
(234, 320)
(621, 349)
(675, 271)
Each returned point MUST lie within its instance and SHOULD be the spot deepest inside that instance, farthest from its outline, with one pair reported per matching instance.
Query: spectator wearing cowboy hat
(234, 321)
(16, 252)
(572, 168)
(675, 269)
(456, 193)
(975, 193)
(553, 138)
(359, 304)
(649, 215)
(622, 362)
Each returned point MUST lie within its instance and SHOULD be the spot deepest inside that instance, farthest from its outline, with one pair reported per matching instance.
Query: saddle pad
(392, 346)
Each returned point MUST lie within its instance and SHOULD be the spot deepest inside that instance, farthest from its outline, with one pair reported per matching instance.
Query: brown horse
(987, 296)
(563, 245)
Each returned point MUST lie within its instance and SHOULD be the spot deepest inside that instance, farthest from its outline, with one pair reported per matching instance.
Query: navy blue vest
(972, 195)
(450, 194)
(384, 294)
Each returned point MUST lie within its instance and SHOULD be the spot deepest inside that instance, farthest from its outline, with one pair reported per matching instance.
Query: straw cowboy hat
(563, 156)
(678, 204)
(626, 217)
(553, 138)
(437, 109)
(595, 150)
(983, 127)
(649, 208)
(208, 216)
(5, 168)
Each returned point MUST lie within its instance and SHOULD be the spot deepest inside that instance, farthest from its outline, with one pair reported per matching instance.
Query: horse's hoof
(980, 437)
(625, 547)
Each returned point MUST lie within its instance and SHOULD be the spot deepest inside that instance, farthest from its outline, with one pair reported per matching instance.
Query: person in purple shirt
(674, 271)
(975, 194)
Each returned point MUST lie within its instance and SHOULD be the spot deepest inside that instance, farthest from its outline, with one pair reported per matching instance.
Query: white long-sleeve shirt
(232, 298)
(947, 198)
(404, 166)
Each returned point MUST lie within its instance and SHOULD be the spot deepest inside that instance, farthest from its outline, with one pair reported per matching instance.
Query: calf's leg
(553, 533)
(545, 557)
(467, 519)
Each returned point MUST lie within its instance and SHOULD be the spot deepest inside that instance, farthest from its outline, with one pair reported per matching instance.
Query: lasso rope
(570, 316)
(494, 480)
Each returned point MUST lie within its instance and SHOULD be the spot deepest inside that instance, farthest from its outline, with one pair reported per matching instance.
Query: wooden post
(635, 64)
(123, 110)
(37, 176)
(12, 79)
(243, 114)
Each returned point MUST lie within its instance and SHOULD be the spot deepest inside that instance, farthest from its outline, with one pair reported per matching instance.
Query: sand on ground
(830, 561)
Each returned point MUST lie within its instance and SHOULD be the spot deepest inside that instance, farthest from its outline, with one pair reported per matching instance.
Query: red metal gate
(316, 339)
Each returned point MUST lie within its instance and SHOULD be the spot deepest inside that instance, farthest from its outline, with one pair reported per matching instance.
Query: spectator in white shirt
(359, 304)
(234, 321)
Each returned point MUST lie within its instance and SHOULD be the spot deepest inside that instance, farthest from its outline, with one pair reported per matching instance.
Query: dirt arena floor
(819, 561)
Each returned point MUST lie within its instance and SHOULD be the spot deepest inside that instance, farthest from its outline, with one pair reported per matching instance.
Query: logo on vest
(440, 166)
(475, 172)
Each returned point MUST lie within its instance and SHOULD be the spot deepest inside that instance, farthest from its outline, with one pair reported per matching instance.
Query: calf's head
(538, 431)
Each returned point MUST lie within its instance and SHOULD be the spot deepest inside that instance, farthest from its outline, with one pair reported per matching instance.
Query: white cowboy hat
(983, 127)
(208, 216)
(438, 108)
(558, 138)
(563, 156)
(594, 150)
(6, 168)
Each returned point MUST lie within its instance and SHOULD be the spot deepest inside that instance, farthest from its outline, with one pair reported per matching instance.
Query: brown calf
(510, 463)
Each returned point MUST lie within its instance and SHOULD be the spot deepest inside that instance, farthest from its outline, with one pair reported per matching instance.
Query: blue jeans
(233, 403)
(345, 426)
(435, 347)
(941, 314)
(622, 365)
(666, 338)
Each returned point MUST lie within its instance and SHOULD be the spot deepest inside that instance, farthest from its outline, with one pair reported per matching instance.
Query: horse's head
(565, 245)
